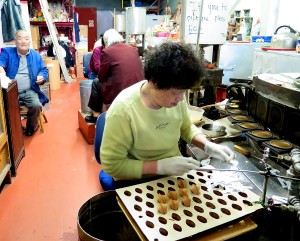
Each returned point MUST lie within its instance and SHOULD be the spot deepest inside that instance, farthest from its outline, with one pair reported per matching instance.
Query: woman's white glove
(219, 151)
(177, 165)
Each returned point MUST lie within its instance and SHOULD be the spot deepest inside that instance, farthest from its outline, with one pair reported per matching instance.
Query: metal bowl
(213, 130)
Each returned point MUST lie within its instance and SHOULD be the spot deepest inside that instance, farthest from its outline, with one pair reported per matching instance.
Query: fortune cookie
(162, 208)
(183, 192)
(172, 195)
(162, 198)
(195, 189)
(174, 204)
(181, 183)
(186, 201)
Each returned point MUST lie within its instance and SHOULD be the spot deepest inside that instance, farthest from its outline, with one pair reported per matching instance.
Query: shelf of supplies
(57, 24)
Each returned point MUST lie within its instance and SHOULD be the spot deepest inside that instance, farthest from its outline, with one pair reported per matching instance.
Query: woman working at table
(146, 121)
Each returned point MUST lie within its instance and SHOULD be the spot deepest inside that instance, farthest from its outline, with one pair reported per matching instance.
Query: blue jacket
(9, 60)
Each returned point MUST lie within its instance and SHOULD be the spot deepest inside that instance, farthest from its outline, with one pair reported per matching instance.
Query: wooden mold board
(209, 209)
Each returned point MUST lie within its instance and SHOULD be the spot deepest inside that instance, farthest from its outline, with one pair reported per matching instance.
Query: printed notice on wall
(213, 25)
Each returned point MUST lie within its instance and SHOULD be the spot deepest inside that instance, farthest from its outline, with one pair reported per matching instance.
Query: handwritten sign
(214, 21)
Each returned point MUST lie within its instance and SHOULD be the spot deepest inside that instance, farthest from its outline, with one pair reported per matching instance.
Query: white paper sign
(214, 21)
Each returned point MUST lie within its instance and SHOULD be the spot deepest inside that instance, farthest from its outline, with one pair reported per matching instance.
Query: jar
(298, 45)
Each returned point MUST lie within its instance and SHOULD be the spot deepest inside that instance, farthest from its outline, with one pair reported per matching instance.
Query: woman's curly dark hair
(173, 65)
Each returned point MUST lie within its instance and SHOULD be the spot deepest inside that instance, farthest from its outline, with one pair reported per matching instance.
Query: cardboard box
(35, 33)
(36, 44)
(79, 56)
(84, 30)
(79, 70)
(54, 73)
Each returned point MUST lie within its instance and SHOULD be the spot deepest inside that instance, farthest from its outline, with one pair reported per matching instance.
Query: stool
(41, 118)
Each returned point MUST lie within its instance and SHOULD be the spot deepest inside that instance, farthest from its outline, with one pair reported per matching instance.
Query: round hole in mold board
(232, 198)
(159, 184)
(197, 200)
(202, 219)
(187, 213)
(149, 204)
(218, 193)
(162, 220)
(190, 223)
(202, 180)
(176, 216)
(204, 188)
(237, 207)
(138, 190)
(242, 194)
(214, 215)
(149, 195)
(171, 189)
(200, 174)
(163, 232)
(170, 182)
(138, 199)
(161, 192)
(150, 188)
(149, 214)
(225, 211)
(248, 203)
(199, 209)
(137, 208)
(210, 205)
(190, 176)
(208, 197)
(149, 224)
(127, 193)
(221, 201)
(177, 227)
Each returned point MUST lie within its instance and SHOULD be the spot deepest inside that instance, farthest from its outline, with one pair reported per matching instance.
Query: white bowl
(196, 114)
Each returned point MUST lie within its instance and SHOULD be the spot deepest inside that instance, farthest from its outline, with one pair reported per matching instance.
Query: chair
(86, 62)
(107, 181)
(42, 116)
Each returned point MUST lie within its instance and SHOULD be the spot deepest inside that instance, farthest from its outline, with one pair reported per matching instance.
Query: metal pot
(213, 130)
(286, 40)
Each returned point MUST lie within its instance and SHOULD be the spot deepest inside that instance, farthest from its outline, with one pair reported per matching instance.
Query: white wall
(289, 12)
(273, 13)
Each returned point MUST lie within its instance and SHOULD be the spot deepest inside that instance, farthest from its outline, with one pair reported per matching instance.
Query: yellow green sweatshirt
(135, 133)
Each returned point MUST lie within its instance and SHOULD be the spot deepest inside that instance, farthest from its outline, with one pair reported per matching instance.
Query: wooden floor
(56, 176)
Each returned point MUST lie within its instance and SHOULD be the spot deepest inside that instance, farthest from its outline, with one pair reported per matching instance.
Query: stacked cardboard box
(82, 48)
(35, 37)
(79, 62)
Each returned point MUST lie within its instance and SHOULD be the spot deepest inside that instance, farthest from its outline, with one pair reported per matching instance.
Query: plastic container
(261, 39)
(85, 92)
(298, 45)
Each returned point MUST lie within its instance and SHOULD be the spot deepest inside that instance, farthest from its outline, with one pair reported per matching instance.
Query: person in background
(146, 121)
(120, 68)
(99, 42)
(27, 67)
(94, 65)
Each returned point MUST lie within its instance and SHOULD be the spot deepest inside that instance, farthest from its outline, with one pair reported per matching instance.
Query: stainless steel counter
(255, 180)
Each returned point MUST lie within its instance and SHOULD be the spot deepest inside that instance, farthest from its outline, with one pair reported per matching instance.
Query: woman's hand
(219, 151)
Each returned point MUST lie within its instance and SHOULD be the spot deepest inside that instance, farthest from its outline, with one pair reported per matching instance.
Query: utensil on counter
(213, 130)
(245, 152)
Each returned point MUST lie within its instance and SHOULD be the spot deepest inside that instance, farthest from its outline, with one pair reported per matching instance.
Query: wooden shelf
(57, 24)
